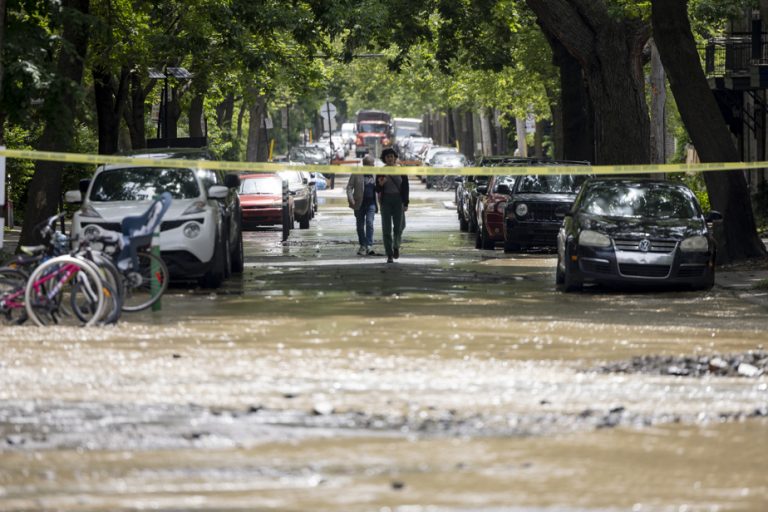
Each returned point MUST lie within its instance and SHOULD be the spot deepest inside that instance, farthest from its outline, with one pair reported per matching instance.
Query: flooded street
(452, 380)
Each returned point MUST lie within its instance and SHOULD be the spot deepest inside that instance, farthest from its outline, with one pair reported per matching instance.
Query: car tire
(463, 224)
(512, 247)
(485, 240)
(238, 257)
(304, 222)
(215, 275)
(473, 225)
(559, 277)
(570, 282)
(287, 224)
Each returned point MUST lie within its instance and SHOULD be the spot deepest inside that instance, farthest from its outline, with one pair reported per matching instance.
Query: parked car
(446, 159)
(468, 191)
(490, 211)
(536, 208)
(200, 236)
(636, 231)
(309, 155)
(300, 190)
(263, 202)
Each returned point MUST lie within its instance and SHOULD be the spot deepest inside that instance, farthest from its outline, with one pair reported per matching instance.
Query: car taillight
(385, 142)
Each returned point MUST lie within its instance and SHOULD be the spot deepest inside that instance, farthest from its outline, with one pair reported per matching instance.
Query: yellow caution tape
(265, 167)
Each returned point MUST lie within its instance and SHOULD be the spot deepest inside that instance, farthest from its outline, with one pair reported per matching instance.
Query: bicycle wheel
(65, 291)
(81, 306)
(12, 283)
(145, 286)
(112, 282)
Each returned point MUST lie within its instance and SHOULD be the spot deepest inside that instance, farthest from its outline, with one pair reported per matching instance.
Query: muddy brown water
(454, 380)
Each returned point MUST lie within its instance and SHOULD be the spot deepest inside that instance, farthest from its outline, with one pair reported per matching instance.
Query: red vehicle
(374, 132)
(490, 211)
(261, 200)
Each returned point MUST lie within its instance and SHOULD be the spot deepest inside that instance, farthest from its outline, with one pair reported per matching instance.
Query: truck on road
(374, 132)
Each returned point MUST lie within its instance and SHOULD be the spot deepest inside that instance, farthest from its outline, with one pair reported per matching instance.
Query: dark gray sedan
(635, 231)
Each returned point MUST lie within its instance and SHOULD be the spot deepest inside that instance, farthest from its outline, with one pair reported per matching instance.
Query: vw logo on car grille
(645, 245)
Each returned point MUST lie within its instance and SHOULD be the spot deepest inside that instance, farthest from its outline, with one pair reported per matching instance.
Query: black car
(635, 231)
(536, 208)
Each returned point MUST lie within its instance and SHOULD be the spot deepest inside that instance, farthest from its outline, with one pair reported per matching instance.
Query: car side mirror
(713, 216)
(218, 192)
(73, 196)
(231, 180)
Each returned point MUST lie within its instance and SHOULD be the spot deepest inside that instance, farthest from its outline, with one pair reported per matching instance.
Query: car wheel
(463, 224)
(304, 222)
(485, 240)
(559, 277)
(287, 224)
(473, 225)
(512, 247)
(227, 256)
(571, 283)
(238, 257)
(215, 275)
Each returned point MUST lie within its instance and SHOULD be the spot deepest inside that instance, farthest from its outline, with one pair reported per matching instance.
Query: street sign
(328, 110)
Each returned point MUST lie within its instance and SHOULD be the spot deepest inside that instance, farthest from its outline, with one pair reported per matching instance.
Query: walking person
(361, 196)
(394, 203)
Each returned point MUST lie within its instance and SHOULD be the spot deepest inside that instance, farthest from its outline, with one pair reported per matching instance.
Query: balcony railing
(735, 55)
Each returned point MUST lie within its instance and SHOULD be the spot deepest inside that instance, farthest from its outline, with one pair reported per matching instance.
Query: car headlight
(196, 207)
(191, 230)
(500, 207)
(695, 244)
(594, 239)
(91, 232)
(89, 211)
(521, 210)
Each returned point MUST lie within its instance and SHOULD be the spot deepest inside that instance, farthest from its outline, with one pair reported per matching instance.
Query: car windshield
(635, 201)
(307, 154)
(268, 186)
(144, 184)
(509, 181)
(546, 184)
(448, 158)
(372, 127)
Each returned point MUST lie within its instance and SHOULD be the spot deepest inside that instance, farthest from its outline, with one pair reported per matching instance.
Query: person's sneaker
(361, 251)
(396, 253)
(371, 252)
(390, 260)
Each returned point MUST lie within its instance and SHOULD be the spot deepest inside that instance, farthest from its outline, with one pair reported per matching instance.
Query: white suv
(200, 236)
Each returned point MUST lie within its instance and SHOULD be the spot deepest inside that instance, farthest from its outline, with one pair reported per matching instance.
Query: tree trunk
(574, 120)
(610, 54)
(59, 131)
(658, 103)
(135, 110)
(522, 144)
(257, 149)
(2, 72)
(485, 132)
(225, 112)
(728, 192)
(110, 104)
(196, 116)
